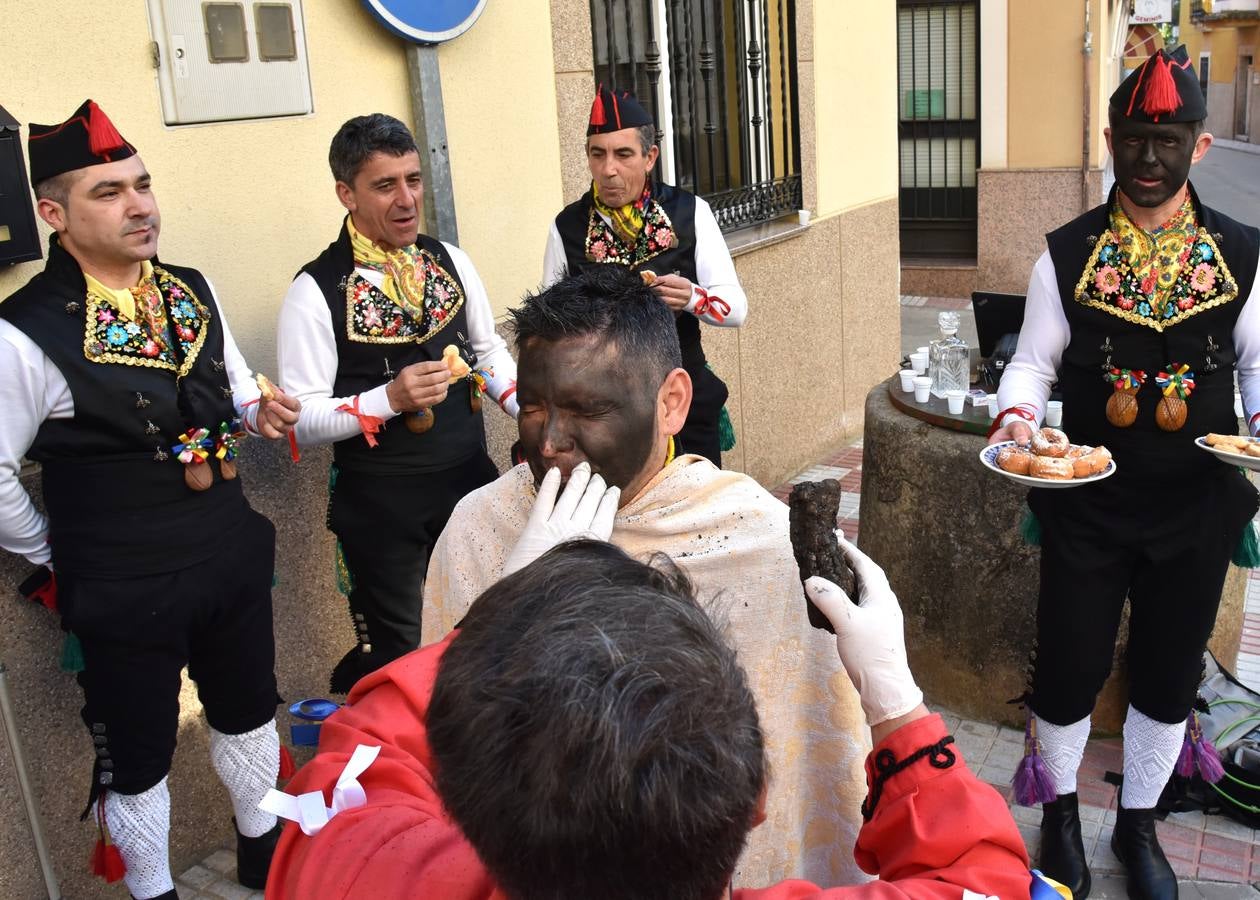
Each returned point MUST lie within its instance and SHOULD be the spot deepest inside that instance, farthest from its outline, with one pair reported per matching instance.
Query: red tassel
(598, 116)
(106, 861)
(103, 137)
(1161, 89)
(47, 593)
(287, 767)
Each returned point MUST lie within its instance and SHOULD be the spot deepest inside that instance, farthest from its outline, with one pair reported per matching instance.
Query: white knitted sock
(140, 826)
(248, 765)
(1062, 747)
(1151, 749)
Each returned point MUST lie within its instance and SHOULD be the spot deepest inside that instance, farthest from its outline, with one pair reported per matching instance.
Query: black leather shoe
(253, 856)
(1062, 850)
(1135, 844)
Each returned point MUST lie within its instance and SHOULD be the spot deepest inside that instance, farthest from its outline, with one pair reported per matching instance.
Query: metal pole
(425, 87)
(24, 788)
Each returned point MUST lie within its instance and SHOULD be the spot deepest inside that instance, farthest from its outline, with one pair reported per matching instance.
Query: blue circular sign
(426, 21)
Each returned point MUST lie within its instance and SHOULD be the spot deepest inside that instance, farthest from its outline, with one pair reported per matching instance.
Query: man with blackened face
(1142, 309)
(602, 395)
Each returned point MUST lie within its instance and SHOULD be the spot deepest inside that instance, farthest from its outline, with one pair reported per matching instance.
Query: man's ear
(1107, 137)
(53, 213)
(760, 815)
(345, 194)
(1201, 145)
(653, 154)
(674, 401)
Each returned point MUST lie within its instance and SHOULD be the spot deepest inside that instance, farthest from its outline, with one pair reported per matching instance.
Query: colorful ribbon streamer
(194, 446)
(1126, 379)
(1177, 380)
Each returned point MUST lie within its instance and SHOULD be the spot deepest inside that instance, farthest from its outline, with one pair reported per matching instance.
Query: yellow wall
(498, 87)
(856, 96)
(1044, 95)
(245, 202)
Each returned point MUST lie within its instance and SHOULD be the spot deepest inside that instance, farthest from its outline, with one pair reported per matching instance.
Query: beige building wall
(504, 144)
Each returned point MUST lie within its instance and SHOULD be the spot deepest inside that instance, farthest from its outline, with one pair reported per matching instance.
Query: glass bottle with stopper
(949, 358)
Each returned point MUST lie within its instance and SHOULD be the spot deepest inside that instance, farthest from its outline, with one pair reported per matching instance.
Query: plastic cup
(907, 379)
(802, 216)
(1054, 413)
(922, 388)
(993, 406)
(918, 362)
(923, 350)
(956, 399)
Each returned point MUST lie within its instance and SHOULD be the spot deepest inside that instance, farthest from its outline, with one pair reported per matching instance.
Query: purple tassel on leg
(1033, 782)
(1205, 755)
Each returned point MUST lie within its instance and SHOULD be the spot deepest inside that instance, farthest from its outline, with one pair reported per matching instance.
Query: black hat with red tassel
(1163, 89)
(614, 110)
(87, 138)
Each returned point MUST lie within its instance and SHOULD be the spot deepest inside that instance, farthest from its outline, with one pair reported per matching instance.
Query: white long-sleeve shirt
(307, 356)
(32, 389)
(714, 268)
(1045, 334)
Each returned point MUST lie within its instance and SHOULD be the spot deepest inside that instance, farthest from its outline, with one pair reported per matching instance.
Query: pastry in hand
(455, 363)
(265, 387)
(648, 276)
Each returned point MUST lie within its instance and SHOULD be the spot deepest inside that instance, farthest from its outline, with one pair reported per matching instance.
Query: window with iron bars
(719, 78)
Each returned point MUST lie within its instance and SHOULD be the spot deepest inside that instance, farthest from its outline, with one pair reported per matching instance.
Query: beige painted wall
(246, 202)
(855, 91)
(1044, 113)
(497, 83)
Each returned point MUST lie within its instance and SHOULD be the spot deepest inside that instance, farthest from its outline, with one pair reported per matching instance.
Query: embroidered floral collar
(372, 317)
(603, 245)
(1157, 278)
(166, 308)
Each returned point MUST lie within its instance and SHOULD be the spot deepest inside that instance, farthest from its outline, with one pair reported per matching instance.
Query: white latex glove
(869, 636)
(586, 509)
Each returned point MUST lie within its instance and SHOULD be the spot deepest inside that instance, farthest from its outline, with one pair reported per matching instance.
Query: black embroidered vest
(117, 502)
(1199, 332)
(377, 338)
(589, 241)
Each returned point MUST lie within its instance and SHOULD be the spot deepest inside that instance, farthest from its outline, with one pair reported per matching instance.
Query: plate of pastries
(1232, 448)
(1050, 460)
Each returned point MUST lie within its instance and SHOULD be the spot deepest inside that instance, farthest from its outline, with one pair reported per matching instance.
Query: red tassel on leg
(1161, 89)
(106, 862)
(598, 117)
(103, 137)
(287, 767)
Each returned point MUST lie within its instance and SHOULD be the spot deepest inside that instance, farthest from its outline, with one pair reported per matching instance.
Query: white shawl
(731, 538)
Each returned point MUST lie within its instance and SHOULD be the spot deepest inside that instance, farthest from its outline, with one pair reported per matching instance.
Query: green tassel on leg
(72, 654)
(726, 431)
(1247, 553)
(1030, 529)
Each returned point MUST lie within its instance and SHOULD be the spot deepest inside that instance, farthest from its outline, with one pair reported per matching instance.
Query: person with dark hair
(368, 337)
(633, 221)
(602, 390)
(119, 375)
(1142, 309)
(590, 731)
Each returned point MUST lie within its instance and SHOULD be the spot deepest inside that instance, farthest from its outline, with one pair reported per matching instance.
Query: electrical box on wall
(219, 61)
(19, 239)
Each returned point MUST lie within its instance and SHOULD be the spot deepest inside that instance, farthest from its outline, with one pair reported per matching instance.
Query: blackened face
(581, 401)
(1152, 161)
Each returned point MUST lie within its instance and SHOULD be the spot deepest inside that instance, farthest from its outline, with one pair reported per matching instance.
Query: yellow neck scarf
(124, 299)
(626, 220)
(403, 269)
(1156, 257)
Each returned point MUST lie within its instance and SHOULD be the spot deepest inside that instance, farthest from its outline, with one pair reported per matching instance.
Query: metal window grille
(938, 125)
(719, 77)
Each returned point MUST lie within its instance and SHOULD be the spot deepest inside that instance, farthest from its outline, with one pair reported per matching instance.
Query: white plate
(988, 457)
(1229, 456)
